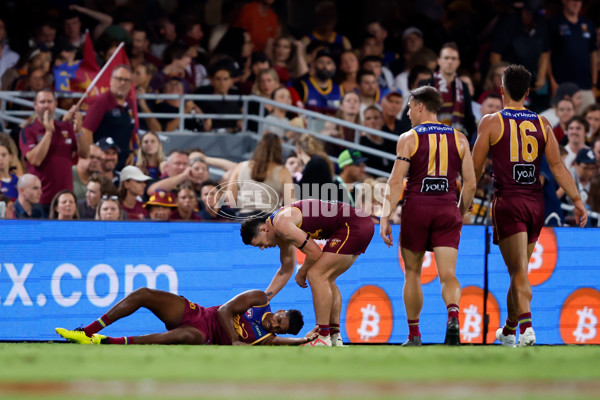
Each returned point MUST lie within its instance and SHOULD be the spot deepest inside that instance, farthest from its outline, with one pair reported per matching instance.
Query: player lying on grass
(245, 319)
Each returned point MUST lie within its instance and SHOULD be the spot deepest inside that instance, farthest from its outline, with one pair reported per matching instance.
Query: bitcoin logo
(579, 317)
(369, 327)
(543, 259)
(586, 327)
(471, 315)
(428, 269)
(369, 316)
(471, 328)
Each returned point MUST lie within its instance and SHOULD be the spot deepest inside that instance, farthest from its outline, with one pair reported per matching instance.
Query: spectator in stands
(72, 24)
(491, 103)
(391, 108)
(596, 149)
(295, 165)
(37, 78)
(187, 204)
(221, 83)
(110, 158)
(594, 195)
(131, 192)
(380, 32)
(493, 80)
(576, 130)
(142, 75)
(110, 115)
(15, 166)
(51, 147)
(30, 193)
(108, 209)
(325, 22)
(258, 62)
(592, 116)
(64, 206)
(236, 44)
(565, 91)
(287, 55)
(412, 42)
(8, 57)
(257, 18)
(8, 210)
(44, 36)
(373, 119)
(281, 95)
(160, 206)
(419, 67)
(16, 78)
(8, 180)
(385, 79)
(171, 106)
(319, 92)
(352, 165)
(368, 89)
(97, 186)
(574, 48)
(211, 209)
(150, 155)
(140, 49)
(176, 60)
(348, 70)
(167, 32)
(583, 170)
(176, 171)
(318, 169)
(84, 169)
(564, 111)
(265, 168)
(456, 111)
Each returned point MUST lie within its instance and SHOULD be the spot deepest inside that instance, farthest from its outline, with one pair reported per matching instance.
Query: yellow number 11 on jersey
(443, 152)
(527, 141)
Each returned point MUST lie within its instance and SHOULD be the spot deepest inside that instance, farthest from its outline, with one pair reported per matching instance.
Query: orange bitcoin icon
(543, 259)
(429, 268)
(472, 318)
(369, 316)
(579, 317)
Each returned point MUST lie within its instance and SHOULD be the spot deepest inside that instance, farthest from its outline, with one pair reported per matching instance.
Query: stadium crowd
(104, 166)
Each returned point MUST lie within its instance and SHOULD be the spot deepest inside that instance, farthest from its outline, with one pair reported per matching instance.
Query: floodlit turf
(380, 365)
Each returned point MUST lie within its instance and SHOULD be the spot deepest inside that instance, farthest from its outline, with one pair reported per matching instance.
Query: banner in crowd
(67, 274)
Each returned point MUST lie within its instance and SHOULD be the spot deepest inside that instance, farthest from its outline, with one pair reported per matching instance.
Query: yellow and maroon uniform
(430, 216)
(347, 230)
(518, 201)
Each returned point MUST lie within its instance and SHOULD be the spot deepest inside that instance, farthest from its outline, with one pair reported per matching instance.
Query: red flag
(88, 68)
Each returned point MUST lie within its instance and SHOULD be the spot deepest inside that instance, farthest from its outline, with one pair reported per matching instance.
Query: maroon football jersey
(516, 155)
(434, 165)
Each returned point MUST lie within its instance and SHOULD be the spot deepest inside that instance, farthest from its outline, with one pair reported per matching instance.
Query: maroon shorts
(424, 227)
(513, 214)
(206, 320)
(353, 237)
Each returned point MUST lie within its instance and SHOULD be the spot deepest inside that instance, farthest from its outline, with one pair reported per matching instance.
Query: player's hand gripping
(385, 231)
(301, 278)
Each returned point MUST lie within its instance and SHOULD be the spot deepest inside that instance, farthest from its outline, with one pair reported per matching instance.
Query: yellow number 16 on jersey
(529, 144)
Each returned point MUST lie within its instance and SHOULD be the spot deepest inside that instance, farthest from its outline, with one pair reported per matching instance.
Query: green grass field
(64, 371)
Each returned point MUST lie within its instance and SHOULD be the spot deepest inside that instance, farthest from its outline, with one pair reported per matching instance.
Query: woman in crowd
(142, 75)
(287, 55)
(187, 204)
(264, 174)
(374, 120)
(150, 155)
(108, 209)
(8, 180)
(131, 190)
(592, 116)
(349, 111)
(318, 169)
(349, 66)
(493, 80)
(237, 44)
(280, 95)
(64, 206)
(98, 186)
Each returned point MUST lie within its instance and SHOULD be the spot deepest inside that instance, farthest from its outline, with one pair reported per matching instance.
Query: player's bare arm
(404, 149)
(274, 340)
(562, 175)
(287, 257)
(488, 124)
(239, 305)
(468, 175)
(286, 225)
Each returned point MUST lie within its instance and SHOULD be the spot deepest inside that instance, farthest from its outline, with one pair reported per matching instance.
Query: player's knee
(190, 336)
(142, 292)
